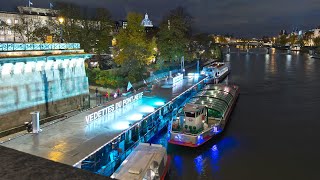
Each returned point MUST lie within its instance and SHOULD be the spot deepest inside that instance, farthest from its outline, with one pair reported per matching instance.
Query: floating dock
(99, 139)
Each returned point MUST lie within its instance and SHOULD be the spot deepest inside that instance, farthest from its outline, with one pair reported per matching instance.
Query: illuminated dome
(146, 21)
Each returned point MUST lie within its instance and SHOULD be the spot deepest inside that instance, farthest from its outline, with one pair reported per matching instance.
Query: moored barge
(204, 116)
(145, 162)
(216, 71)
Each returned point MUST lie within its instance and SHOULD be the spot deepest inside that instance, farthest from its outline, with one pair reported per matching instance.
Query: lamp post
(61, 20)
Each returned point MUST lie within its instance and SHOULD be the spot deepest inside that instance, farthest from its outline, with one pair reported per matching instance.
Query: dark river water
(274, 130)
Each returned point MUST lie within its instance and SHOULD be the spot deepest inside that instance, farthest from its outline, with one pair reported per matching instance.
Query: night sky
(245, 18)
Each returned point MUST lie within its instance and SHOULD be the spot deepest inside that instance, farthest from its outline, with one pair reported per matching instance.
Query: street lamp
(61, 21)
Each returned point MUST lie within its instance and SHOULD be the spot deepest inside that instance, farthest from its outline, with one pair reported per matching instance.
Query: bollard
(35, 116)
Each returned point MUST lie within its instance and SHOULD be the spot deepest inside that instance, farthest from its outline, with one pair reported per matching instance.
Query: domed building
(146, 21)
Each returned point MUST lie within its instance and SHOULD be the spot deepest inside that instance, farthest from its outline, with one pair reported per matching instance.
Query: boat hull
(166, 169)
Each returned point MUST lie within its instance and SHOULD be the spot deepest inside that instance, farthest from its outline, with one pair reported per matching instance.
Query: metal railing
(7, 47)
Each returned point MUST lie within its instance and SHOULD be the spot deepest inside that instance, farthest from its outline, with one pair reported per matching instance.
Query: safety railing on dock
(5, 47)
(107, 168)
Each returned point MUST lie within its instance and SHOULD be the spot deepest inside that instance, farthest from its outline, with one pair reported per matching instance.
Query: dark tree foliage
(174, 35)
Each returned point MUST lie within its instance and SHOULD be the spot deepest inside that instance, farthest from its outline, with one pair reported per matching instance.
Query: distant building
(316, 32)
(121, 24)
(283, 32)
(150, 29)
(146, 22)
(26, 14)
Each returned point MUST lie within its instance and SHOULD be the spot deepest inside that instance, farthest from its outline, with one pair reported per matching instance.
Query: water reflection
(228, 57)
(309, 67)
(277, 88)
(288, 62)
(199, 164)
(267, 63)
(267, 56)
(273, 65)
(177, 161)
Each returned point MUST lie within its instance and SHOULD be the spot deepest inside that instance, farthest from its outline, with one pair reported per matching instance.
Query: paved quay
(18, 165)
(71, 140)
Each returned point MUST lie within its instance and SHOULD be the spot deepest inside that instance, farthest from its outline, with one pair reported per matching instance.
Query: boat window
(190, 114)
(214, 113)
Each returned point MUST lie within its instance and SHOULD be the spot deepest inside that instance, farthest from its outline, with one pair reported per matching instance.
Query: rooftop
(140, 160)
(215, 96)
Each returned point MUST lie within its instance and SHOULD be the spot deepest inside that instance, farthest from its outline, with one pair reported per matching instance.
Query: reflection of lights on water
(214, 148)
(135, 117)
(267, 56)
(120, 125)
(199, 163)
(289, 56)
(178, 163)
(147, 109)
(228, 57)
(214, 154)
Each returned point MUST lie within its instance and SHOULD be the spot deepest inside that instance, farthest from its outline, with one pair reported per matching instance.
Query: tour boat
(146, 161)
(204, 116)
(216, 71)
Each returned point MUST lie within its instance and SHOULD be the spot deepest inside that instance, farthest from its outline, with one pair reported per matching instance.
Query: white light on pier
(135, 117)
(147, 109)
(121, 125)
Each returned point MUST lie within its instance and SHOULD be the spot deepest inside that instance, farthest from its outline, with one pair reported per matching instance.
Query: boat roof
(192, 108)
(217, 65)
(138, 162)
(215, 96)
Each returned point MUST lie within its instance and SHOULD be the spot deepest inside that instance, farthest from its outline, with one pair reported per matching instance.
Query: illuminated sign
(109, 109)
(177, 79)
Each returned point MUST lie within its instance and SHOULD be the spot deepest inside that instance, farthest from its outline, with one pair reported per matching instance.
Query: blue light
(215, 157)
(215, 129)
(178, 164)
(200, 139)
(178, 137)
(214, 148)
(168, 135)
(199, 164)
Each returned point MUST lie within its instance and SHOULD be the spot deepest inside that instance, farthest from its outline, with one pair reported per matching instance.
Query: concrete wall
(18, 118)
(48, 86)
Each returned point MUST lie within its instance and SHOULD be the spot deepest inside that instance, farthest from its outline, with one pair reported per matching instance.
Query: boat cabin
(191, 119)
(214, 70)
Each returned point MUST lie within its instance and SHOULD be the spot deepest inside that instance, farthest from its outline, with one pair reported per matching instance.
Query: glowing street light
(61, 21)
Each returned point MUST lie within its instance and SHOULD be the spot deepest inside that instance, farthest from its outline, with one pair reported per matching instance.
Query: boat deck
(72, 140)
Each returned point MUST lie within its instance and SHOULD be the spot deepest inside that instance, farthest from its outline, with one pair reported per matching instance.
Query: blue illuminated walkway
(71, 140)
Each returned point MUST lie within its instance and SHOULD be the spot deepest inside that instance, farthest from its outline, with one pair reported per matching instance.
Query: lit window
(16, 21)
(9, 32)
(9, 21)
